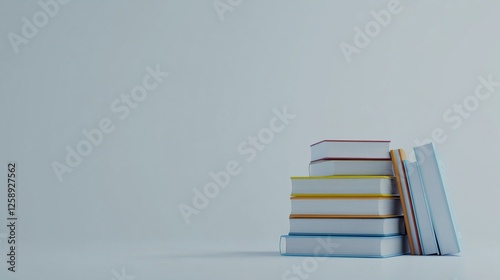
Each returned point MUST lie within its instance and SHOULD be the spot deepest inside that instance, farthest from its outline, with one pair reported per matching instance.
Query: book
(350, 149)
(344, 206)
(348, 226)
(397, 157)
(353, 166)
(435, 191)
(343, 246)
(422, 216)
(344, 185)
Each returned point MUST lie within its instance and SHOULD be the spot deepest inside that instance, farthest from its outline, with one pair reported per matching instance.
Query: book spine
(399, 177)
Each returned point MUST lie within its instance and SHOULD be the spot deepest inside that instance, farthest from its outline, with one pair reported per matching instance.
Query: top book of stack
(350, 149)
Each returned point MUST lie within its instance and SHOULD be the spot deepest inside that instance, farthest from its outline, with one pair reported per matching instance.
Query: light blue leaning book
(435, 192)
(420, 208)
(343, 246)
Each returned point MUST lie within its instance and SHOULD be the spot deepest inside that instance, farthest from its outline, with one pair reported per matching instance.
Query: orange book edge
(333, 216)
(402, 157)
(401, 198)
(346, 197)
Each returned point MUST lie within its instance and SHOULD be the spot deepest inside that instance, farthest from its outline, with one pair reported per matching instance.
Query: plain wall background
(225, 79)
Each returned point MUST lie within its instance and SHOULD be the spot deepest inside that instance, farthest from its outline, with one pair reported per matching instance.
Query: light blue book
(420, 208)
(344, 246)
(435, 192)
(348, 226)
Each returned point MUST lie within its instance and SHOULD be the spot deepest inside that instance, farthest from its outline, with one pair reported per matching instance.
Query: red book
(350, 149)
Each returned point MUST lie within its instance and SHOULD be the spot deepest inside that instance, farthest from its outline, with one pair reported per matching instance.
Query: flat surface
(147, 264)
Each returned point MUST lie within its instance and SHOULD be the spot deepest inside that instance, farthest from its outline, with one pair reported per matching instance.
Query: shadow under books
(212, 254)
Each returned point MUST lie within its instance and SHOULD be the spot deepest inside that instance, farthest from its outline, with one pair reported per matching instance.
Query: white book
(439, 208)
(343, 185)
(354, 206)
(422, 216)
(333, 166)
(343, 246)
(348, 226)
(350, 149)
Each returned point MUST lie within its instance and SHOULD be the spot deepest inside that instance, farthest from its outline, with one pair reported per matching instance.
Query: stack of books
(361, 198)
(348, 206)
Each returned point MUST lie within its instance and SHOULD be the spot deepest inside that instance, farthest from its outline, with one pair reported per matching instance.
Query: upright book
(439, 208)
(422, 216)
(397, 157)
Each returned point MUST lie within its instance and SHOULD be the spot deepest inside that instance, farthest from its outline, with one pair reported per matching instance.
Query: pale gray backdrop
(228, 70)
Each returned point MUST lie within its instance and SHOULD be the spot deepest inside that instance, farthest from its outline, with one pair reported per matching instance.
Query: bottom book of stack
(343, 246)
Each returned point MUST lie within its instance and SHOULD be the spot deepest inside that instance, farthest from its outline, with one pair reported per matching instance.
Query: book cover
(421, 209)
(439, 207)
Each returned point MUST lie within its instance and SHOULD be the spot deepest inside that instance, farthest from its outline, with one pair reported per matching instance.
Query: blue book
(376, 226)
(435, 192)
(422, 216)
(344, 246)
